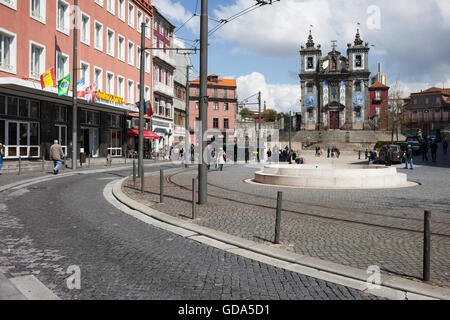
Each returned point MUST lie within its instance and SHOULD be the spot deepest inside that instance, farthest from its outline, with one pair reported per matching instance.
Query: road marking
(33, 289)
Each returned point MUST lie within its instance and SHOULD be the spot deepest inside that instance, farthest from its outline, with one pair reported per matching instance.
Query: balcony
(163, 89)
(164, 56)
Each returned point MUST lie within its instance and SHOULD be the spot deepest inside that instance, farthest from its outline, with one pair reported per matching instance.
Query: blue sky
(260, 48)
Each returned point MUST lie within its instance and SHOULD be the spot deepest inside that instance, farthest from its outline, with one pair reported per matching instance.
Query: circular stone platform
(330, 176)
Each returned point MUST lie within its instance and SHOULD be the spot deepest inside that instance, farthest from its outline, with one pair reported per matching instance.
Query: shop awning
(147, 134)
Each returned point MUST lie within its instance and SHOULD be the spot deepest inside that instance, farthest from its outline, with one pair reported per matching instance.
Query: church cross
(334, 44)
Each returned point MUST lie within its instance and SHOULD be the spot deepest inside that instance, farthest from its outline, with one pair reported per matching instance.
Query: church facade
(335, 88)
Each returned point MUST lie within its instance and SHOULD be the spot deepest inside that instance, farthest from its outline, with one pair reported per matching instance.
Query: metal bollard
(20, 164)
(43, 163)
(426, 245)
(194, 192)
(134, 173)
(278, 217)
(161, 185)
(89, 160)
(142, 175)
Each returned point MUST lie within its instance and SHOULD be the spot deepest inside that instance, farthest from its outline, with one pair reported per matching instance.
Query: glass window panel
(34, 151)
(23, 108)
(34, 109)
(23, 151)
(12, 151)
(34, 134)
(63, 136)
(23, 138)
(12, 106)
(2, 131)
(12, 133)
(96, 118)
(2, 104)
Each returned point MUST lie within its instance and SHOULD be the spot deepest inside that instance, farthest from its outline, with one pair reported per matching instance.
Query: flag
(80, 82)
(48, 79)
(90, 93)
(149, 108)
(63, 86)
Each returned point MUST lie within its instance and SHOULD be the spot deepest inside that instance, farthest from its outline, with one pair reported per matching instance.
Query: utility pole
(202, 169)
(141, 108)
(187, 148)
(259, 124)
(290, 125)
(74, 90)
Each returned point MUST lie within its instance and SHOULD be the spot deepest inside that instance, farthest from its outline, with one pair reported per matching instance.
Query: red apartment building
(379, 97)
(221, 106)
(36, 35)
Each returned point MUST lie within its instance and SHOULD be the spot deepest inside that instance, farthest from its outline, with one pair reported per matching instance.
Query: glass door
(22, 139)
(93, 137)
(61, 134)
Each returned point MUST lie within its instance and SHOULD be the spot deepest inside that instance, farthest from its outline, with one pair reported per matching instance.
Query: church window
(334, 93)
(358, 61)
(334, 65)
(358, 112)
(310, 63)
(358, 86)
(309, 88)
(310, 113)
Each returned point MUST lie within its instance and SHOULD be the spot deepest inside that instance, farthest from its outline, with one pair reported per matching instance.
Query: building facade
(37, 35)
(222, 104)
(335, 89)
(427, 111)
(163, 82)
(379, 99)
(179, 102)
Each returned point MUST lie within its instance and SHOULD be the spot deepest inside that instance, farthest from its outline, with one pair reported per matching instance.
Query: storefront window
(23, 108)
(2, 104)
(12, 133)
(115, 148)
(34, 134)
(61, 113)
(23, 140)
(12, 106)
(90, 117)
(34, 109)
(2, 131)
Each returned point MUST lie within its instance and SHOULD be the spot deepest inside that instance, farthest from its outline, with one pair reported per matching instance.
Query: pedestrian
(192, 152)
(108, 160)
(221, 159)
(424, 150)
(332, 152)
(445, 147)
(269, 155)
(359, 154)
(434, 148)
(328, 152)
(388, 159)
(338, 153)
(367, 153)
(409, 157)
(2, 154)
(235, 152)
(181, 154)
(56, 154)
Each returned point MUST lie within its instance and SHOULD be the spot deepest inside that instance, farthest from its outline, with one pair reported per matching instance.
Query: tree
(395, 109)
(270, 115)
(246, 113)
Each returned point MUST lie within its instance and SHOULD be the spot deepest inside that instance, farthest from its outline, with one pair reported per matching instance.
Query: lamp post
(74, 90)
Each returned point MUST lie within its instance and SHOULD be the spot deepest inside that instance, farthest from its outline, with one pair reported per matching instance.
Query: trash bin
(82, 157)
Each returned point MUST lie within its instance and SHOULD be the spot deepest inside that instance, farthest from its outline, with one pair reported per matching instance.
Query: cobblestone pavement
(358, 228)
(46, 228)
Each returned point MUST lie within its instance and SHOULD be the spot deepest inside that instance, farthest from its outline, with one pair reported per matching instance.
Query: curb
(391, 287)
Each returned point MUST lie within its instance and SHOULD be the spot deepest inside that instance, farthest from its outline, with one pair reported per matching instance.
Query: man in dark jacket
(433, 148)
(56, 154)
(424, 150)
(445, 147)
(409, 157)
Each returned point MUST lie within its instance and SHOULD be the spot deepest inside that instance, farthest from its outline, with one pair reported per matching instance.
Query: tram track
(169, 178)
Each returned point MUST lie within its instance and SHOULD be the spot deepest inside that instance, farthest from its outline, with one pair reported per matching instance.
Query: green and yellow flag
(63, 86)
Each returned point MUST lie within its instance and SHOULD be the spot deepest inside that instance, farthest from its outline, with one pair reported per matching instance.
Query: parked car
(397, 154)
(415, 138)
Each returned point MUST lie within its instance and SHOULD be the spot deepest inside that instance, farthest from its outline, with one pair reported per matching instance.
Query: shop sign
(109, 97)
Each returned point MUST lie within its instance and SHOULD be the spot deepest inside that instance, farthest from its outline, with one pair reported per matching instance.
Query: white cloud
(281, 97)
(177, 14)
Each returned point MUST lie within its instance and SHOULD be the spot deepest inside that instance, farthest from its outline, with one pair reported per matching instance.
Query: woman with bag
(221, 159)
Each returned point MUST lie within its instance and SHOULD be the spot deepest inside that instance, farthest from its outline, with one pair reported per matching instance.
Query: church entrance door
(334, 119)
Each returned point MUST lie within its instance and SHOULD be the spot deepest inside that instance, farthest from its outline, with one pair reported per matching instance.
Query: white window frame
(42, 13)
(37, 75)
(130, 95)
(95, 35)
(138, 23)
(113, 9)
(99, 83)
(130, 56)
(109, 90)
(147, 62)
(131, 21)
(110, 51)
(99, 2)
(66, 65)
(147, 93)
(13, 52)
(66, 26)
(9, 3)
(88, 78)
(119, 49)
(148, 26)
(138, 57)
(138, 91)
(86, 41)
(121, 88)
(124, 10)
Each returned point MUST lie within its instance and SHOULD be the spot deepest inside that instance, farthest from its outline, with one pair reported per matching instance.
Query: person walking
(269, 155)
(409, 157)
(367, 153)
(221, 158)
(192, 152)
(328, 152)
(2, 154)
(445, 147)
(56, 155)
(434, 148)
(424, 150)
(181, 154)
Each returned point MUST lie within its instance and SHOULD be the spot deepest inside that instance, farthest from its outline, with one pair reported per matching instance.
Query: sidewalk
(24, 288)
